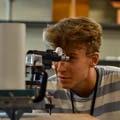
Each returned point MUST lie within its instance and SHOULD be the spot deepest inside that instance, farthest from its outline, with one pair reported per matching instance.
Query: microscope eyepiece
(45, 57)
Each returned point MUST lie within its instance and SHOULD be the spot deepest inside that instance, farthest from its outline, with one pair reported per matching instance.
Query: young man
(89, 88)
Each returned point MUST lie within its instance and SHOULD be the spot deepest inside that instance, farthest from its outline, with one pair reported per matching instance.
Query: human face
(75, 71)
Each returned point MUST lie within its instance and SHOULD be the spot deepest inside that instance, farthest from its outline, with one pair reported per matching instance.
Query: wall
(40, 10)
(32, 10)
(34, 39)
(102, 11)
(110, 43)
(3, 9)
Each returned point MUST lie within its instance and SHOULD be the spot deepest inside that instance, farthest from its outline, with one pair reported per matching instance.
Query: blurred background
(37, 14)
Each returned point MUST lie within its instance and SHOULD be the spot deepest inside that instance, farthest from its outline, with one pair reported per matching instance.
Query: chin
(65, 86)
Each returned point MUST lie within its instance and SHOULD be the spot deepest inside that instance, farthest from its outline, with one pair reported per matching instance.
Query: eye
(72, 58)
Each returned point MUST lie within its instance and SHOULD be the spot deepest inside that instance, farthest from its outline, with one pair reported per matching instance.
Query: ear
(94, 59)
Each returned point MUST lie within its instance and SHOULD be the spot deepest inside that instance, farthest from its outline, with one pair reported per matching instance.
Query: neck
(86, 88)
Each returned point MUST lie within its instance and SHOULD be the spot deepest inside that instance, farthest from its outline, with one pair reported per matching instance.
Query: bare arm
(65, 116)
(87, 117)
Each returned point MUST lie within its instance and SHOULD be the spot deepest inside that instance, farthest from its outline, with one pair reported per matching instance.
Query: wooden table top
(55, 116)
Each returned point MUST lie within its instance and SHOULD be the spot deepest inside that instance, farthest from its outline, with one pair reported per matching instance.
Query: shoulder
(106, 70)
(108, 75)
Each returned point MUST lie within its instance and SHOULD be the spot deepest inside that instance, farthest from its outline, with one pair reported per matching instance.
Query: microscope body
(17, 102)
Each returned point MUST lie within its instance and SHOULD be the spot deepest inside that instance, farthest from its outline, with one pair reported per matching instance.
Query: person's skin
(78, 74)
(68, 116)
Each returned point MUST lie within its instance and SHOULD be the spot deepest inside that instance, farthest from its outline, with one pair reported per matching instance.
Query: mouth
(63, 79)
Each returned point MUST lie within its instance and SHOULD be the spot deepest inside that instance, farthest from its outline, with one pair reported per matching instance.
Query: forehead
(75, 51)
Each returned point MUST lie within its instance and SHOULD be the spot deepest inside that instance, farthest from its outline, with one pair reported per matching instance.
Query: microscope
(17, 102)
(39, 62)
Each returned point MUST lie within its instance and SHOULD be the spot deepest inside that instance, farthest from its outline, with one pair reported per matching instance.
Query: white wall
(3, 9)
(32, 10)
(110, 43)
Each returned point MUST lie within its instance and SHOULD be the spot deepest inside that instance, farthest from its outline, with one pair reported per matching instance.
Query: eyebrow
(72, 54)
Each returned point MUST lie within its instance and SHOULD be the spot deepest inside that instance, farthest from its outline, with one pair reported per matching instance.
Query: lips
(63, 78)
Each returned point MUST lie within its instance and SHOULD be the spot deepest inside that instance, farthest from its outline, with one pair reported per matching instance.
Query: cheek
(54, 66)
(79, 71)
